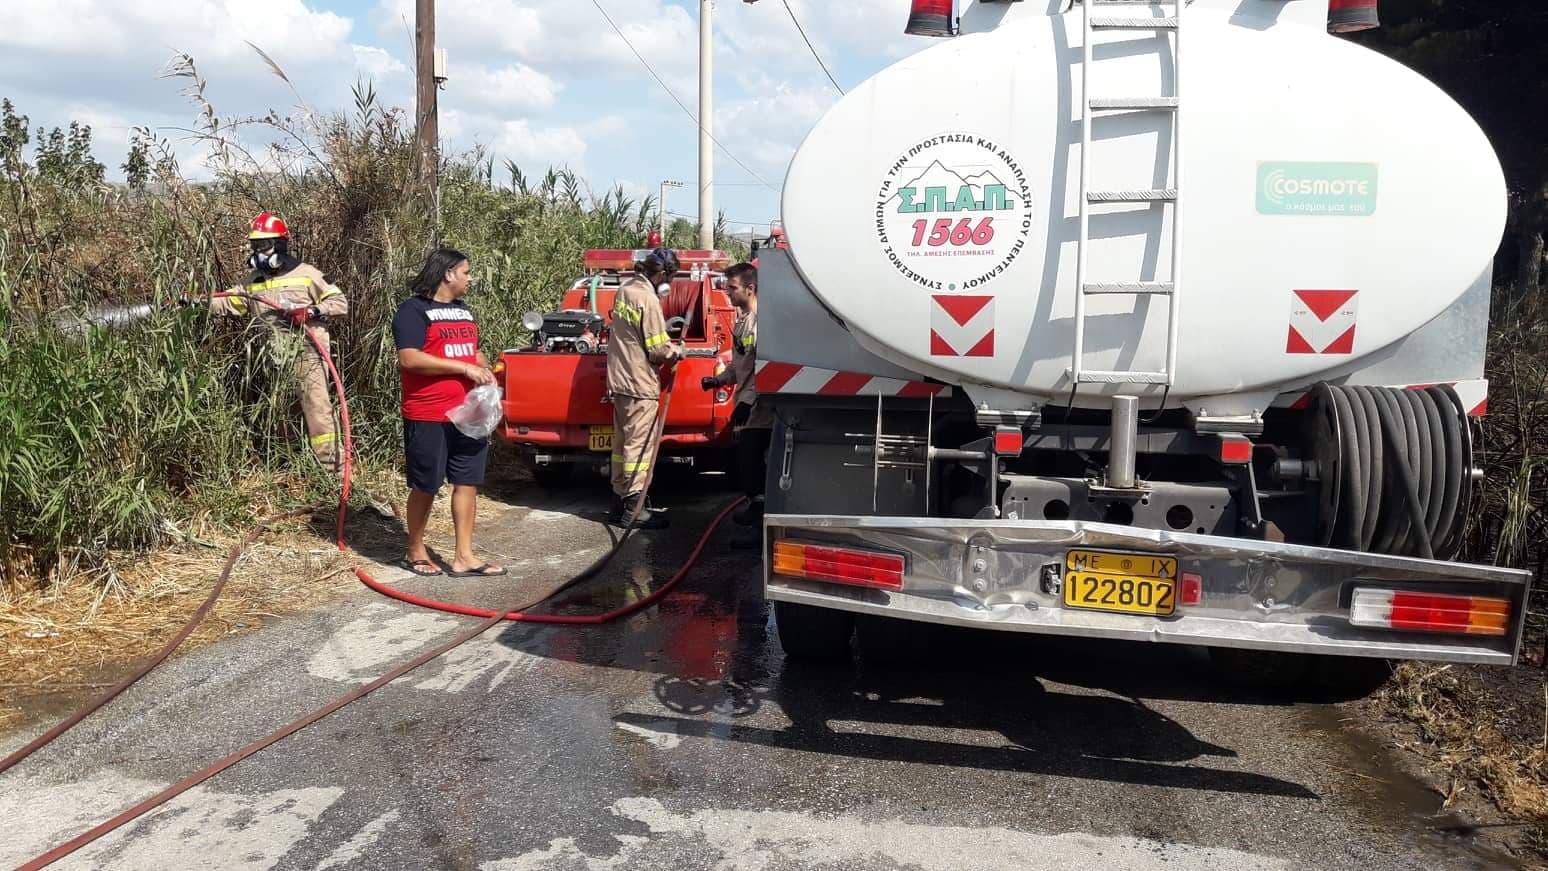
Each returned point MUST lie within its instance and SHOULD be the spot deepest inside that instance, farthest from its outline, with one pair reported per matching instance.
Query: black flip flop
(480, 572)
(413, 567)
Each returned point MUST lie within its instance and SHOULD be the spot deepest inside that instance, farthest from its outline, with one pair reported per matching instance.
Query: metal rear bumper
(1256, 594)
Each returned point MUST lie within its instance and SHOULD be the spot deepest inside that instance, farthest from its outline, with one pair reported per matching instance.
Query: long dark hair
(440, 262)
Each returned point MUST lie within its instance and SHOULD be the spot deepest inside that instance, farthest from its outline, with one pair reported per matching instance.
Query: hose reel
(1395, 469)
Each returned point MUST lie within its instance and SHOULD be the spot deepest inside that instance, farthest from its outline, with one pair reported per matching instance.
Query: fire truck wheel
(813, 634)
(552, 476)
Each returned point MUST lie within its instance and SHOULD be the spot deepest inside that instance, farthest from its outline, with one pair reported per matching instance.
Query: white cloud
(568, 34)
(377, 63)
(289, 29)
(518, 88)
(532, 147)
(764, 130)
(111, 52)
(454, 125)
(604, 126)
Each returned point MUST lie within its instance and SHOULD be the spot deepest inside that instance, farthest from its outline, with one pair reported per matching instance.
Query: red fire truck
(557, 409)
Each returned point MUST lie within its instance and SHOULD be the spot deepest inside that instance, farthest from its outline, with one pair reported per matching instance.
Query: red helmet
(269, 226)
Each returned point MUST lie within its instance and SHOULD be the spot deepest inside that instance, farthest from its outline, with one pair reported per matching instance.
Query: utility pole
(427, 150)
(706, 124)
(661, 201)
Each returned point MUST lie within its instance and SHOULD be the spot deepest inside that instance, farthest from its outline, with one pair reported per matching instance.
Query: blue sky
(541, 82)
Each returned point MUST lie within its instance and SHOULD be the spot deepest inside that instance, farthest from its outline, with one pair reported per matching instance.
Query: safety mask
(269, 259)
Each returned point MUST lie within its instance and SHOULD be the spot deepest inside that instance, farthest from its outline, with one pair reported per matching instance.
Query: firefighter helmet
(660, 260)
(269, 226)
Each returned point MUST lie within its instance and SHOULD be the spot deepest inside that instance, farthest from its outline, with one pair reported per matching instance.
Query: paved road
(682, 740)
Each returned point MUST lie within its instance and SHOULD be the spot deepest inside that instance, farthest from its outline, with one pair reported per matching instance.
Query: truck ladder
(1094, 20)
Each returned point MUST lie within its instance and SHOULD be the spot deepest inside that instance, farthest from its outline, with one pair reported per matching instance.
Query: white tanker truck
(1149, 321)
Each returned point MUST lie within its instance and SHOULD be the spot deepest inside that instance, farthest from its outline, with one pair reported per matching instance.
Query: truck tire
(811, 634)
(552, 476)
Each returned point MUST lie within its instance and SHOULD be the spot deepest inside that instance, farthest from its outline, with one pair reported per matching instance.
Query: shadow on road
(986, 701)
(989, 709)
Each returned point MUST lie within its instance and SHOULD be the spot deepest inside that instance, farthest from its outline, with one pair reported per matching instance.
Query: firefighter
(307, 299)
(637, 347)
(753, 423)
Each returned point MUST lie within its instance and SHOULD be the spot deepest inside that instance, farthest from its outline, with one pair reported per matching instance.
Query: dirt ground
(1480, 736)
(59, 647)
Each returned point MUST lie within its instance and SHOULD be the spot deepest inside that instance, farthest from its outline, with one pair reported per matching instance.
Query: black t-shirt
(440, 329)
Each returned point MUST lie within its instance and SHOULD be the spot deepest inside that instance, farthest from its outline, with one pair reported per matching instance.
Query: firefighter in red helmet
(305, 299)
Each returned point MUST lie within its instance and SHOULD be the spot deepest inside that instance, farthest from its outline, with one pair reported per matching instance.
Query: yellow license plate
(1128, 583)
(601, 438)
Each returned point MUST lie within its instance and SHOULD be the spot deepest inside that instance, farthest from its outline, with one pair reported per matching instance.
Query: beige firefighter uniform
(303, 285)
(637, 346)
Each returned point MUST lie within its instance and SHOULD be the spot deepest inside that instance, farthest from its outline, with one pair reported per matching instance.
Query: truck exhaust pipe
(1121, 453)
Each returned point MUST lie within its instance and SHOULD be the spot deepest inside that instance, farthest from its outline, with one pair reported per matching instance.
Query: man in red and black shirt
(440, 361)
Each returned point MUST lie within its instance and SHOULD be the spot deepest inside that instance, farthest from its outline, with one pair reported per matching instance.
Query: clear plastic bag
(479, 414)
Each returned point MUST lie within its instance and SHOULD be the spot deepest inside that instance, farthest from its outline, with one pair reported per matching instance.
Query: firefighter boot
(649, 518)
(749, 515)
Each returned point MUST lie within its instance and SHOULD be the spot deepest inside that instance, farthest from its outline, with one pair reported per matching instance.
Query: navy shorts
(437, 452)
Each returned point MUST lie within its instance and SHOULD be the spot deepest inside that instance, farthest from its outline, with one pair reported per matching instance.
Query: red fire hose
(491, 618)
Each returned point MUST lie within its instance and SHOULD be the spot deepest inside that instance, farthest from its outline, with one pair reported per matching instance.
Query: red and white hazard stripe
(1474, 395)
(776, 377)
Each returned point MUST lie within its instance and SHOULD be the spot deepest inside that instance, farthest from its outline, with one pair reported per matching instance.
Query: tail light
(1008, 441)
(1429, 612)
(840, 565)
(1235, 450)
(1192, 589)
(1352, 16)
(930, 18)
(499, 368)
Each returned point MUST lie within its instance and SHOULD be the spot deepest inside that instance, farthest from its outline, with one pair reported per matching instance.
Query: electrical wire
(680, 104)
(729, 221)
(813, 48)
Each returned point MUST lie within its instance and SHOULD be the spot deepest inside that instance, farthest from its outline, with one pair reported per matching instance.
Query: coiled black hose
(1401, 475)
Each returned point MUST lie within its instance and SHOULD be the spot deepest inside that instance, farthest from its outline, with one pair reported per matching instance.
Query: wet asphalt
(682, 739)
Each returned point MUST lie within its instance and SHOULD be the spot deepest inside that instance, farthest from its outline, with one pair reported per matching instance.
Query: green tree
(1488, 55)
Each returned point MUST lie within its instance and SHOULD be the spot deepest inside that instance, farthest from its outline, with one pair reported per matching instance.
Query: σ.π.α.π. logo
(953, 212)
